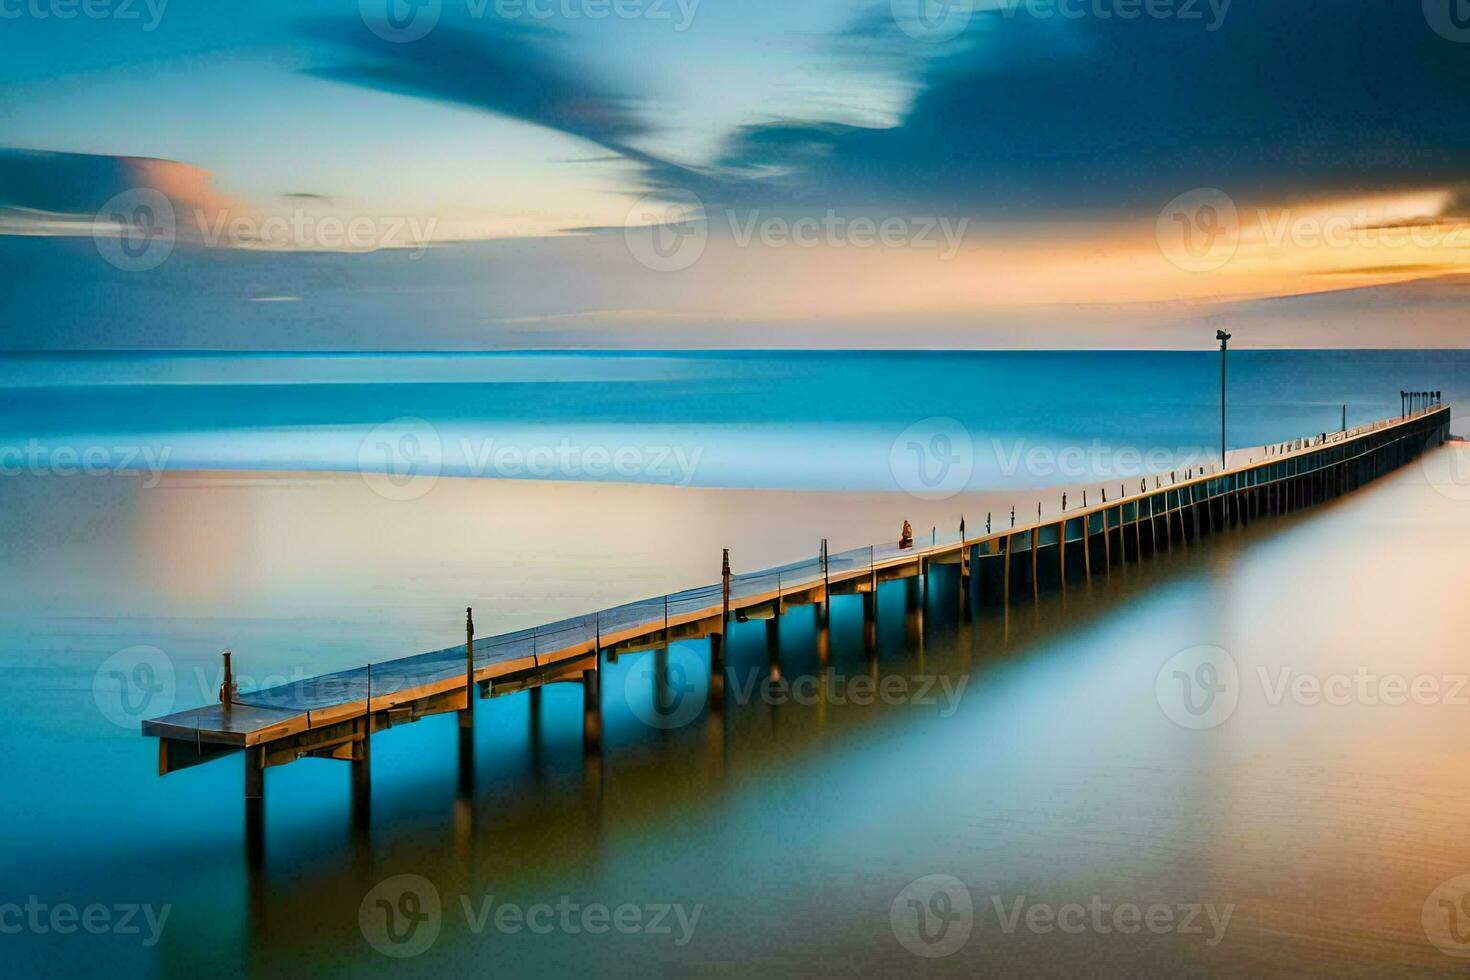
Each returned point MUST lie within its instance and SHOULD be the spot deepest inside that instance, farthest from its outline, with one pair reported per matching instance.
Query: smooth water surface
(1032, 755)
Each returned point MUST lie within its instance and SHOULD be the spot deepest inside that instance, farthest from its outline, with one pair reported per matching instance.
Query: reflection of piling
(773, 647)
(255, 806)
(592, 737)
(913, 620)
(534, 734)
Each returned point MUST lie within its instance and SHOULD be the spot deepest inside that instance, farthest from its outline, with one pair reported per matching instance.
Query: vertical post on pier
(362, 761)
(964, 596)
(717, 639)
(824, 613)
(1224, 339)
(773, 637)
(467, 716)
(824, 608)
(870, 598)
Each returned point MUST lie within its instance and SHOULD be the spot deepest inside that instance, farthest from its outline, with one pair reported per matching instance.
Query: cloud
(44, 190)
(501, 68)
(1024, 114)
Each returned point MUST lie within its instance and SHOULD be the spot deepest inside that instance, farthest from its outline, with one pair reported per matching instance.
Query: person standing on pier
(906, 537)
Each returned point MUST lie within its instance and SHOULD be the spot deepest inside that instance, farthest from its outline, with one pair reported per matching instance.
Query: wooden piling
(717, 638)
(1035, 565)
(591, 711)
(1006, 573)
(362, 761)
(467, 715)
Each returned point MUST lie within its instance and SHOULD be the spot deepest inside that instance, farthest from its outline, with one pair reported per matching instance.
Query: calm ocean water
(1027, 756)
(823, 421)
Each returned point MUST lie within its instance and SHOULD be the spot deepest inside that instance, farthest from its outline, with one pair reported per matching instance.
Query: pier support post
(1062, 553)
(362, 773)
(255, 805)
(870, 608)
(1006, 572)
(1035, 553)
(966, 577)
(591, 711)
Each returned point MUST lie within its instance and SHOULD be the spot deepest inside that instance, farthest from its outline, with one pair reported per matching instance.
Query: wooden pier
(334, 716)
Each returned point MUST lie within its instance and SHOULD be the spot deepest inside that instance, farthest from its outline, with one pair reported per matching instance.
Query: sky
(446, 174)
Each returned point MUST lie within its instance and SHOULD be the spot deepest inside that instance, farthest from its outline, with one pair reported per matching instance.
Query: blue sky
(1054, 172)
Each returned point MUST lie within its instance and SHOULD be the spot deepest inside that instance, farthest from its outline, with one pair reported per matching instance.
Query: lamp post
(1224, 339)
